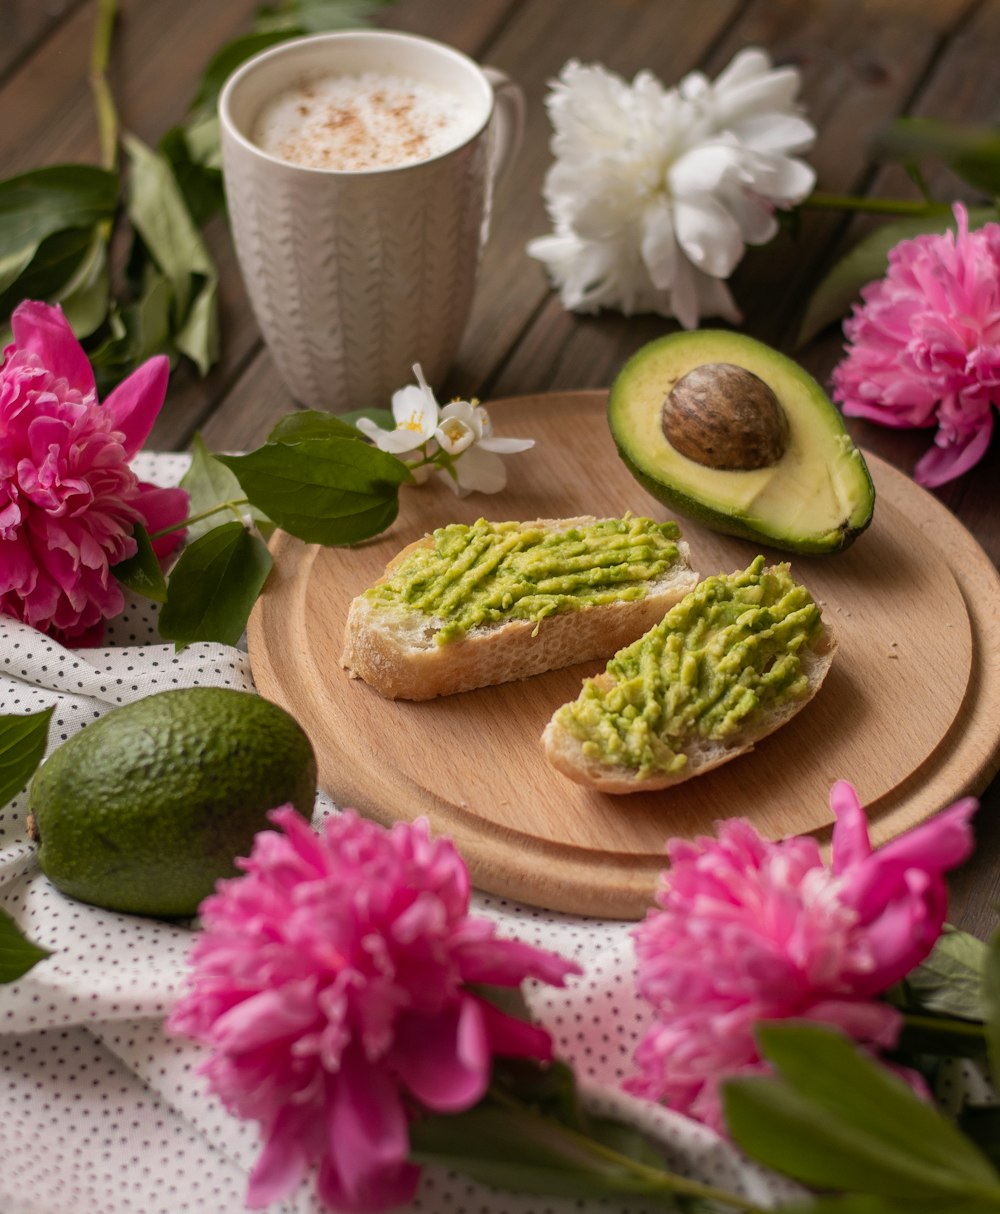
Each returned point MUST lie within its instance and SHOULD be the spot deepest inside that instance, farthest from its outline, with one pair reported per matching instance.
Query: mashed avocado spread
(727, 649)
(493, 572)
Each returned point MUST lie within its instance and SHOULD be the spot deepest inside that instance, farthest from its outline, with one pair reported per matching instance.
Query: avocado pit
(723, 416)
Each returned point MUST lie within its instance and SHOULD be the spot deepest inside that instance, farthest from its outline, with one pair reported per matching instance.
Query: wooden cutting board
(910, 712)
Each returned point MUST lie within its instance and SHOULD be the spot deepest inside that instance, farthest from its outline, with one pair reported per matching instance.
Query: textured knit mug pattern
(355, 276)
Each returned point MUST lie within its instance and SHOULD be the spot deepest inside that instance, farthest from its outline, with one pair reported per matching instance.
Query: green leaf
(17, 953)
(198, 337)
(981, 1123)
(209, 483)
(137, 331)
(323, 490)
(214, 586)
(950, 980)
(317, 16)
(941, 1036)
(516, 1149)
(198, 177)
(835, 1119)
(382, 418)
(22, 747)
(36, 205)
(203, 136)
(141, 573)
(857, 1203)
(865, 263)
(160, 216)
(222, 65)
(973, 152)
(87, 295)
(56, 262)
(312, 423)
(991, 997)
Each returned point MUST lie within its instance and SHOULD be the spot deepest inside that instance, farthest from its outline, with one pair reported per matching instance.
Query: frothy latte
(370, 121)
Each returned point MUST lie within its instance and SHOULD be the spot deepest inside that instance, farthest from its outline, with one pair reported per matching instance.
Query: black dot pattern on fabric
(101, 1111)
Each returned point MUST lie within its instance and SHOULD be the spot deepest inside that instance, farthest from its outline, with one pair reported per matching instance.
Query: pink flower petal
(751, 930)
(944, 463)
(161, 508)
(851, 844)
(44, 331)
(933, 847)
(368, 1142)
(509, 962)
(444, 1060)
(923, 345)
(329, 977)
(68, 497)
(282, 1165)
(135, 403)
(514, 1038)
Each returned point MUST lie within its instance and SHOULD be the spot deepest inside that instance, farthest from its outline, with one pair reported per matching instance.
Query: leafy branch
(58, 225)
(316, 477)
(22, 747)
(973, 153)
(530, 1134)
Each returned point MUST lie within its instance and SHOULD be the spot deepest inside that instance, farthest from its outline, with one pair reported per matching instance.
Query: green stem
(232, 504)
(107, 116)
(654, 1180)
(875, 206)
(961, 1028)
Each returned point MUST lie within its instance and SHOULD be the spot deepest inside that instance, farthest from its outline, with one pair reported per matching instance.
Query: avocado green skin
(732, 524)
(731, 521)
(145, 809)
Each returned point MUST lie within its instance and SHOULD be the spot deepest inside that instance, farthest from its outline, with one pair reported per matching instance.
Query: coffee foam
(370, 121)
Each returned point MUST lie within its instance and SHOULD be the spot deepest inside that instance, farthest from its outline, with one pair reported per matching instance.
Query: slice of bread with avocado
(471, 606)
(730, 663)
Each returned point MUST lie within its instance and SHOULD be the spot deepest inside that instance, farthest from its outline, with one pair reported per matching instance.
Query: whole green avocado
(725, 429)
(145, 809)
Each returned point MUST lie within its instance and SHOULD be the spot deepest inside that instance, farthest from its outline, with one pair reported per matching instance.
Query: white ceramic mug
(354, 276)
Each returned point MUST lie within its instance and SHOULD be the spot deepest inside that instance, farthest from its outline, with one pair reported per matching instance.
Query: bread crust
(565, 751)
(395, 653)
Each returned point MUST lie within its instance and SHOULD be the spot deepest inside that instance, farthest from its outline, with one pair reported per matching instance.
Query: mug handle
(508, 118)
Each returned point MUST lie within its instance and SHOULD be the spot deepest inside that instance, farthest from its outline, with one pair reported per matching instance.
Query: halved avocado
(756, 448)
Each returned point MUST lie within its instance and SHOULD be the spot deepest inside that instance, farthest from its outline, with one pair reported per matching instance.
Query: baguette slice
(392, 647)
(565, 749)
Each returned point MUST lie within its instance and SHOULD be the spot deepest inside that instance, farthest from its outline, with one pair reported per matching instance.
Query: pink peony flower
(334, 983)
(925, 346)
(68, 499)
(752, 930)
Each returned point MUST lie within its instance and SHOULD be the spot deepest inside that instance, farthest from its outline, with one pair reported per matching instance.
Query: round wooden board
(909, 712)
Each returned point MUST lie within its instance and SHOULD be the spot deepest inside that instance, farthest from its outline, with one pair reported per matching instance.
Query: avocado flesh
(818, 497)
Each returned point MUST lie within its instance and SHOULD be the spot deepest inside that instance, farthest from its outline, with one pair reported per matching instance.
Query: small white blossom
(655, 193)
(416, 415)
(457, 441)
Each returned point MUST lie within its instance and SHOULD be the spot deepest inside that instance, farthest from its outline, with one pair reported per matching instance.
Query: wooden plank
(625, 38)
(25, 24)
(848, 97)
(47, 108)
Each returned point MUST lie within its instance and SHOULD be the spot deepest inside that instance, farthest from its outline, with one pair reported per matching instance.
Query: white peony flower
(456, 441)
(655, 193)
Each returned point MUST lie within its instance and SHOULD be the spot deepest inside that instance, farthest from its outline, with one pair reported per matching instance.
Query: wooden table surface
(862, 62)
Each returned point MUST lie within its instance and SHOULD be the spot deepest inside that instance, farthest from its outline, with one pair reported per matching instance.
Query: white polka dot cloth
(101, 1112)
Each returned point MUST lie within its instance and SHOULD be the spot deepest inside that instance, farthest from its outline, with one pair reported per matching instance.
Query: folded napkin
(101, 1111)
